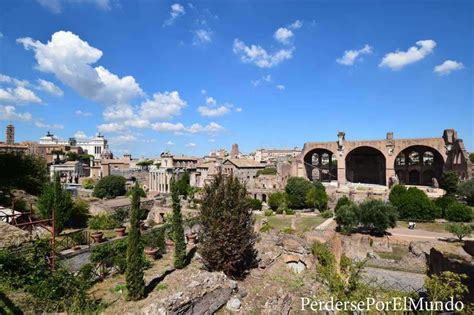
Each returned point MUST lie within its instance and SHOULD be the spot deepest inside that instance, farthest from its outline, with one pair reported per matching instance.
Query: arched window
(428, 158)
(413, 158)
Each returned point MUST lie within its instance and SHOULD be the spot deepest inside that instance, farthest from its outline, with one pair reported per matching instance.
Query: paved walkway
(419, 234)
(325, 224)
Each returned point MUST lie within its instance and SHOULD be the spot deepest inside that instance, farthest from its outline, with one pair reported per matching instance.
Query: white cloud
(123, 138)
(9, 80)
(168, 127)
(177, 10)
(202, 36)
(213, 112)
(266, 78)
(41, 124)
(203, 92)
(447, 67)
(118, 112)
(169, 143)
(49, 87)
(55, 6)
(399, 59)
(9, 113)
(82, 113)
(18, 94)
(296, 25)
(260, 57)
(209, 128)
(111, 127)
(191, 145)
(70, 58)
(280, 87)
(80, 135)
(238, 109)
(212, 140)
(350, 56)
(283, 35)
(163, 105)
(210, 101)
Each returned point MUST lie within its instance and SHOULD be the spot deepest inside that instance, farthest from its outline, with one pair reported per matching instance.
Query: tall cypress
(177, 226)
(134, 272)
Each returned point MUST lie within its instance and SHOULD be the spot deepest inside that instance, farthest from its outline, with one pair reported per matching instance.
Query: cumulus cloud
(82, 113)
(190, 145)
(296, 25)
(70, 58)
(163, 105)
(259, 56)
(399, 59)
(209, 128)
(19, 95)
(80, 135)
(123, 138)
(49, 87)
(169, 142)
(264, 79)
(176, 11)
(9, 113)
(43, 125)
(350, 56)
(168, 127)
(280, 87)
(283, 35)
(212, 112)
(202, 36)
(9, 80)
(111, 127)
(55, 6)
(447, 67)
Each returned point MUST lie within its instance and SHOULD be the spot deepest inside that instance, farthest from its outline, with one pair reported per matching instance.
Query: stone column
(341, 170)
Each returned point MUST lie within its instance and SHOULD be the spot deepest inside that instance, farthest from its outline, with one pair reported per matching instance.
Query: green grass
(161, 286)
(303, 223)
(396, 254)
(426, 226)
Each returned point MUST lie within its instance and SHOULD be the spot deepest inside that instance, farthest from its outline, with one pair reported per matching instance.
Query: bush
(457, 212)
(289, 211)
(460, 230)
(316, 197)
(449, 182)
(442, 204)
(140, 190)
(110, 187)
(397, 194)
(255, 204)
(415, 205)
(103, 222)
(88, 183)
(268, 212)
(466, 189)
(276, 199)
(377, 216)
(225, 212)
(297, 189)
(446, 285)
(347, 218)
(327, 214)
(79, 214)
(343, 201)
(267, 171)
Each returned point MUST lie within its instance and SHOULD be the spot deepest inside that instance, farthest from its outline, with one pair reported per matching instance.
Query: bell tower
(10, 138)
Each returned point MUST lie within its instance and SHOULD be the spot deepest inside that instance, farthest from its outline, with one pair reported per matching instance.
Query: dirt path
(405, 233)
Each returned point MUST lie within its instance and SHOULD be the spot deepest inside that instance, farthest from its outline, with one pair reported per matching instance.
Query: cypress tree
(134, 272)
(227, 234)
(177, 226)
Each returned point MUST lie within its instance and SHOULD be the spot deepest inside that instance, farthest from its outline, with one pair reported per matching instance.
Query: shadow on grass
(7, 306)
(153, 283)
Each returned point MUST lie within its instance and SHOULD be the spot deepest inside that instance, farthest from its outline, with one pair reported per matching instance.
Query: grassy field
(425, 226)
(302, 223)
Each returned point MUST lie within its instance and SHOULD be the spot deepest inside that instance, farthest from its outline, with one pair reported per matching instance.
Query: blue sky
(196, 76)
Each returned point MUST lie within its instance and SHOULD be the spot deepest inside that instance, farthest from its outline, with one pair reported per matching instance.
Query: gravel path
(395, 280)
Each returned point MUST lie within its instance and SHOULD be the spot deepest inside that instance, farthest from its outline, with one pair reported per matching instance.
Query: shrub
(297, 189)
(276, 199)
(397, 194)
(377, 216)
(255, 204)
(79, 214)
(316, 197)
(103, 222)
(327, 214)
(460, 230)
(449, 181)
(289, 211)
(268, 212)
(140, 190)
(442, 204)
(110, 187)
(446, 285)
(343, 201)
(267, 171)
(415, 205)
(466, 189)
(88, 183)
(458, 212)
(225, 212)
(347, 218)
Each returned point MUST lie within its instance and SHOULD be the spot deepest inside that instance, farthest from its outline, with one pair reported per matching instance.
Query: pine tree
(177, 226)
(134, 272)
(227, 234)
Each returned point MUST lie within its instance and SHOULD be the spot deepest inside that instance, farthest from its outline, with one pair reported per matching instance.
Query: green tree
(346, 217)
(377, 216)
(397, 194)
(442, 204)
(276, 199)
(449, 181)
(458, 212)
(140, 190)
(317, 197)
(466, 189)
(22, 171)
(177, 228)
(415, 205)
(57, 198)
(446, 285)
(183, 184)
(343, 201)
(255, 204)
(110, 187)
(460, 230)
(297, 189)
(88, 183)
(227, 233)
(134, 273)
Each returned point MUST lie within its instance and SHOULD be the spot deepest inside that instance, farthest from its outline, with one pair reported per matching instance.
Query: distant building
(9, 146)
(245, 170)
(276, 155)
(94, 146)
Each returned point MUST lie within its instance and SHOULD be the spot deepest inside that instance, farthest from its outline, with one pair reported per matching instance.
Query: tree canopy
(110, 187)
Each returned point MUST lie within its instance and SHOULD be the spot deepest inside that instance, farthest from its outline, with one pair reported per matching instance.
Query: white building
(276, 155)
(93, 146)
